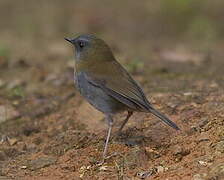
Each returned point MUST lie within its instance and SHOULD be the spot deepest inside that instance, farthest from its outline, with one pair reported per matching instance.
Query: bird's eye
(81, 44)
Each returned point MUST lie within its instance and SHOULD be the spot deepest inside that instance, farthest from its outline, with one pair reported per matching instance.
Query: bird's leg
(125, 121)
(110, 124)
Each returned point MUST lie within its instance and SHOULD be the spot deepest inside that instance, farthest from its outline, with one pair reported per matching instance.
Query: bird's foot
(100, 163)
(112, 155)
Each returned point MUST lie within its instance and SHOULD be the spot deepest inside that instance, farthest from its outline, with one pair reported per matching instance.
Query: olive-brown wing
(116, 82)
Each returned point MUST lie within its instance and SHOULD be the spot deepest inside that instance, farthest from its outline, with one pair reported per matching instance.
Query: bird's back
(116, 82)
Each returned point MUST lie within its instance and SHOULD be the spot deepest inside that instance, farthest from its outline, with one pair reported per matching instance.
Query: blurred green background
(29, 26)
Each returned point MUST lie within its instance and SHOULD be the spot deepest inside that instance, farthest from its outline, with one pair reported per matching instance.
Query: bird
(106, 85)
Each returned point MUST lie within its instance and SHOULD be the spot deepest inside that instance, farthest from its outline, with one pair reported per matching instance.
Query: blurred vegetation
(180, 19)
(135, 66)
(4, 51)
(17, 92)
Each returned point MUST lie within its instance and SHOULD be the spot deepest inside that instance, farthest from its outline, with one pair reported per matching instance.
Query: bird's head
(90, 48)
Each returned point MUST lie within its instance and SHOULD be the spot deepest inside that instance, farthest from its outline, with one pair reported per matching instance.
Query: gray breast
(96, 96)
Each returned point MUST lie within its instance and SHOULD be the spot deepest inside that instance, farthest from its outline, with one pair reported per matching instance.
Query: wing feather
(120, 85)
(116, 82)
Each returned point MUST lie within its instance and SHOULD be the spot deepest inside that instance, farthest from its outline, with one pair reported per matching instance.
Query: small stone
(214, 85)
(179, 152)
(103, 168)
(160, 169)
(83, 170)
(12, 141)
(152, 154)
(188, 93)
(173, 105)
(23, 167)
(15, 103)
(205, 160)
(203, 163)
(146, 174)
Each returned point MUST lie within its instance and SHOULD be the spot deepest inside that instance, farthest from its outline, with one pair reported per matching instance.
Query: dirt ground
(48, 131)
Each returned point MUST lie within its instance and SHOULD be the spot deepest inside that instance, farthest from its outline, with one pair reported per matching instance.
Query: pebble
(206, 160)
(203, 163)
(178, 150)
(160, 169)
(188, 93)
(103, 168)
(146, 174)
(12, 141)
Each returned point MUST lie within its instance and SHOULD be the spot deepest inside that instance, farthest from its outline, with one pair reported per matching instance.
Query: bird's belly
(97, 97)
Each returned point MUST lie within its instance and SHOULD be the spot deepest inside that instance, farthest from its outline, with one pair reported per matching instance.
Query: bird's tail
(164, 118)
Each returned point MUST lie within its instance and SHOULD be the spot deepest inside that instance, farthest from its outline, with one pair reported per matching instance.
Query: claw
(100, 163)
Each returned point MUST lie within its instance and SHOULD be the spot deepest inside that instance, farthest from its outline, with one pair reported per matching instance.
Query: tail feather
(164, 118)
